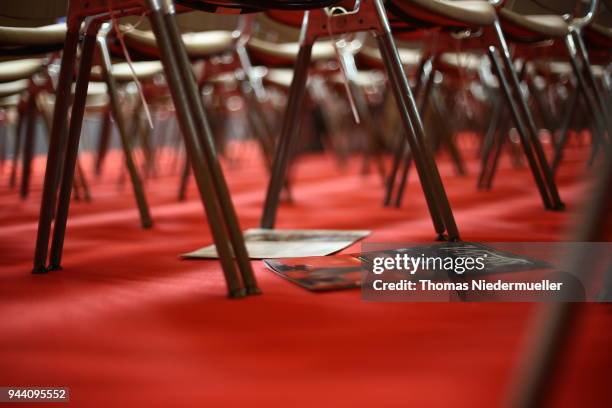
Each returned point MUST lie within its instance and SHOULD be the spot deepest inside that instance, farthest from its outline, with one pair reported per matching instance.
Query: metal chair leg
(403, 149)
(113, 95)
(603, 106)
(591, 102)
(193, 144)
(54, 156)
(489, 140)
(400, 152)
(288, 133)
(210, 156)
(82, 180)
(21, 121)
(534, 383)
(3, 133)
(426, 82)
(182, 195)
(529, 124)
(103, 140)
(72, 148)
(29, 146)
(447, 133)
(564, 129)
(527, 147)
(437, 201)
(502, 139)
(406, 163)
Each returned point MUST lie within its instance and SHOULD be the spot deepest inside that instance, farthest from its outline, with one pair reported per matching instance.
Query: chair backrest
(194, 21)
(31, 13)
(531, 7)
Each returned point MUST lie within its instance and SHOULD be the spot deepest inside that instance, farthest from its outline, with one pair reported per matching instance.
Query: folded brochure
(277, 243)
(325, 273)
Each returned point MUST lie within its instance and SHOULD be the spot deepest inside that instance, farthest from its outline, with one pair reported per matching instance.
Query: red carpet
(129, 324)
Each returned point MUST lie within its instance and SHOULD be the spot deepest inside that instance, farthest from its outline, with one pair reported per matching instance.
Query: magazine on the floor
(275, 243)
(324, 273)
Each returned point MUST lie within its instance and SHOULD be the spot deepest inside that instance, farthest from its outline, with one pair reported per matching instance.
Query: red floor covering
(129, 324)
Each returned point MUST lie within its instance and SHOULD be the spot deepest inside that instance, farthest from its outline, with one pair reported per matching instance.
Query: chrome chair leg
(437, 201)
(115, 106)
(28, 146)
(288, 133)
(3, 142)
(401, 156)
(72, 148)
(184, 183)
(103, 140)
(489, 140)
(400, 152)
(578, 66)
(19, 129)
(599, 97)
(210, 156)
(499, 143)
(531, 135)
(564, 129)
(426, 82)
(82, 180)
(54, 156)
(522, 130)
(192, 142)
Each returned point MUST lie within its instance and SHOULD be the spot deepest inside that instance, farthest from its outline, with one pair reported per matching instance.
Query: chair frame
(214, 193)
(368, 15)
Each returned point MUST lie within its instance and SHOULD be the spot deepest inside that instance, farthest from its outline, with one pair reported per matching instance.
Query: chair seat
(54, 34)
(460, 60)
(19, 69)
(218, 6)
(122, 72)
(410, 57)
(201, 44)
(362, 78)
(13, 87)
(97, 96)
(445, 12)
(9, 101)
(286, 53)
(280, 77)
(538, 26)
(563, 68)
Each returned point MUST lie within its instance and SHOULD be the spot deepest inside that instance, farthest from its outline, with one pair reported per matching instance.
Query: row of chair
(423, 47)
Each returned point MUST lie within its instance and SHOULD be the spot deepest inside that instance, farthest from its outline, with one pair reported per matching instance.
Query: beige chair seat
(19, 69)
(13, 87)
(97, 97)
(288, 52)
(200, 44)
(410, 57)
(279, 76)
(461, 60)
(362, 78)
(224, 78)
(9, 101)
(563, 68)
(472, 12)
(122, 72)
(20, 36)
(545, 25)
